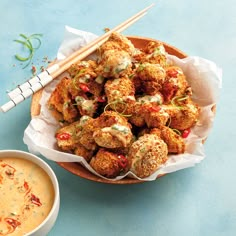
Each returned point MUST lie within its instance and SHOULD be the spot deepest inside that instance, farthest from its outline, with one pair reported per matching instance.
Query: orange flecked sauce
(26, 196)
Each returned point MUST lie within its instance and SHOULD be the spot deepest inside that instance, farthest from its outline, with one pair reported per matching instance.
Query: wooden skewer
(41, 80)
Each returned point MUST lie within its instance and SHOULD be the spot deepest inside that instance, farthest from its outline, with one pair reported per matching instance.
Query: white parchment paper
(203, 75)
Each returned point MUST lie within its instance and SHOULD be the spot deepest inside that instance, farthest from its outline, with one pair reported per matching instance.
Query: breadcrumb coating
(126, 110)
(147, 154)
(106, 163)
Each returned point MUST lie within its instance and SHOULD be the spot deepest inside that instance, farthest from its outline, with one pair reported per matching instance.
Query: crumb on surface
(106, 29)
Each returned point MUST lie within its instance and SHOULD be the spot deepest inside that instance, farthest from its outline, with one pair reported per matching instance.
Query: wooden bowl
(76, 168)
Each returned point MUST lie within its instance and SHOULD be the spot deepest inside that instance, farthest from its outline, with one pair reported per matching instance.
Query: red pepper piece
(63, 136)
(154, 108)
(35, 200)
(172, 73)
(10, 171)
(84, 87)
(101, 99)
(26, 186)
(186, 133)
(14, 223)
(122, 161)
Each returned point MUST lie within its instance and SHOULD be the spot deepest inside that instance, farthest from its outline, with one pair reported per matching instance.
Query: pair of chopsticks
(21, 92)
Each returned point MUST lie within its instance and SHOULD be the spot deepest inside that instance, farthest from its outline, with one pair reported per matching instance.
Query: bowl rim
(45, 166)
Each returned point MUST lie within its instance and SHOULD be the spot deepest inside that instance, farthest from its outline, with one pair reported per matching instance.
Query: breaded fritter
(114, 63)
(86, 137)
(120, 94)
(61, 101)
(155, 54)
(152, 77)
(174, 141)
(175, 84)
(146, 155)
(120, 42)
(113, 131)
(156, 119)
(83, 74)
(184, 116)
(107, 163)
(68, 136)
(149, 114)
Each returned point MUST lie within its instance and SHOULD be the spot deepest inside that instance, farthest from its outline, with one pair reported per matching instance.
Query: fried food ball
(109, 118)
(156, 118)
(147, 155)
(83, 77)
(155, 54)
(144, 104)
(61, 101)
(175, 84)
(137, 115)
(152, 77)
(120, 94)
(86, 87)
(82, 68)
(114, 63)
(68, 136)
(120, 42)
(174, 141)
(182, 117)
(86, 135)
(148, 114)
(107, 163)
(114, 131)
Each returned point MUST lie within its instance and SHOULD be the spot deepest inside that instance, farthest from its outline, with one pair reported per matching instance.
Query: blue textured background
(198, 201)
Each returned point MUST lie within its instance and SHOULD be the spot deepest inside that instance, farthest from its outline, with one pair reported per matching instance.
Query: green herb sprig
(175, 100)
(27, 42)
(114, 103)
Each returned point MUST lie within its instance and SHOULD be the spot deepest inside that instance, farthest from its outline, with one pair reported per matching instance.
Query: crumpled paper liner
(204, 77)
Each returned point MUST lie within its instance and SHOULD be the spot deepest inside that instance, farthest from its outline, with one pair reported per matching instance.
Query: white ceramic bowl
(46, 225)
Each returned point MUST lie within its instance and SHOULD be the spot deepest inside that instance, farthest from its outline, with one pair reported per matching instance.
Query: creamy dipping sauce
(26, 196)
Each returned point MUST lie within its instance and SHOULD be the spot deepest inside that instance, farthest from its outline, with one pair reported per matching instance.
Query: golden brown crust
(70, 142)
(135, 101)
(155, 54)
(106, 163)
(61, 101)
(175, 84)
(86, 135)
(152, 77)
(118, 41)
(120, 94)
(174, 141)
(146, 155)
(183, 117)
(114, 63)
(114, 131)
